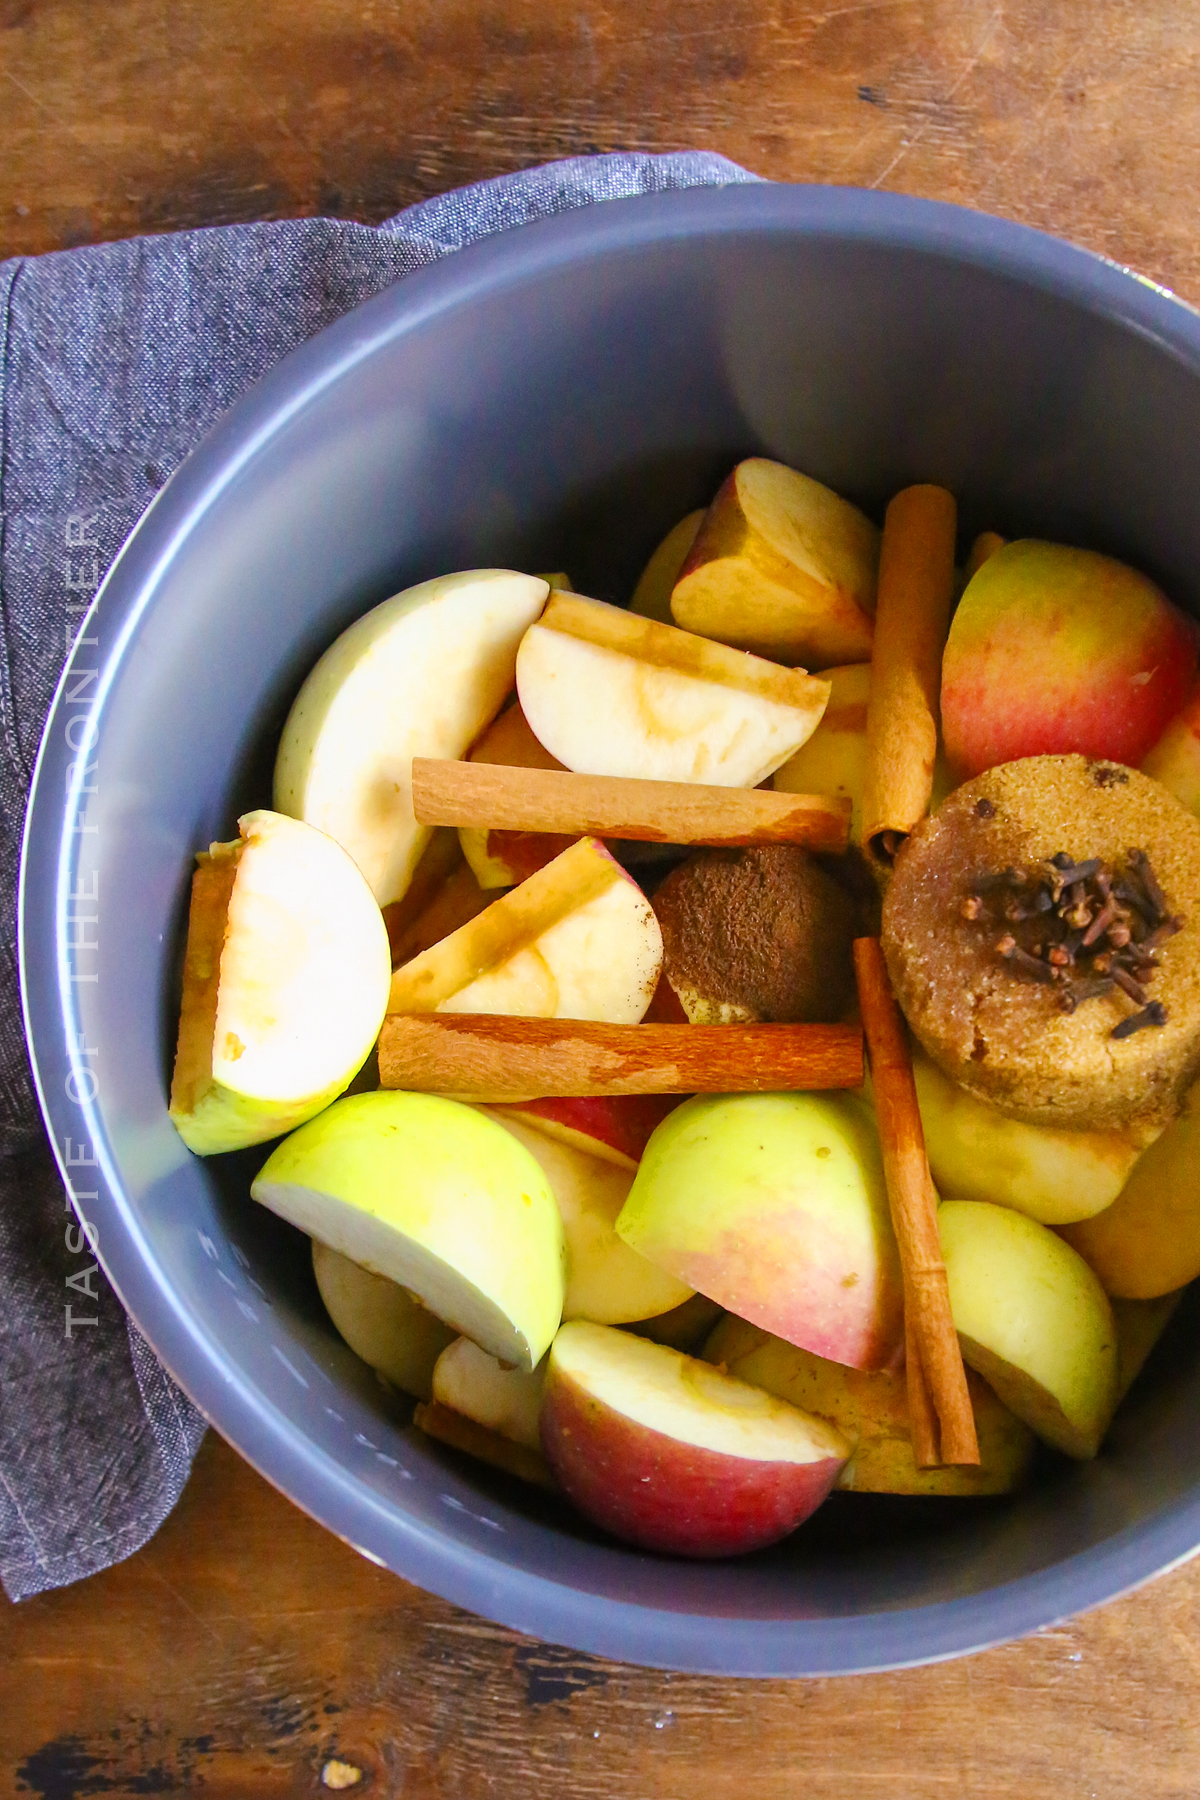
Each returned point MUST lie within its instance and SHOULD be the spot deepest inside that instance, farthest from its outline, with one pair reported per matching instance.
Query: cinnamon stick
(923, 1421)
(912, 617)
(928, 1322)
(493, 1058)
(503, 798)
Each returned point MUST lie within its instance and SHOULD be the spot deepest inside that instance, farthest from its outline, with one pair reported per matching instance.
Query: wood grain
(245, 1647)
(488, 796)
(1084, 120)
(486, 1057)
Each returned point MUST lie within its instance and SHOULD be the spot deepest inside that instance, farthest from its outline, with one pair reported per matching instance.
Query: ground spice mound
(757, 934)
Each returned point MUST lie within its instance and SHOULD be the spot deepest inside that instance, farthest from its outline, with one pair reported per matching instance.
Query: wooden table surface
(245, 1650)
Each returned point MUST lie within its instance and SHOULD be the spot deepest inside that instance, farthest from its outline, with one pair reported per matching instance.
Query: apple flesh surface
(784, 567)
(1147, 1242)
(652, 595)
(577, 940)
(506, 1401)
(1055, 650)
(1033, 1320)
(774, 1205)
(608, 693)
(438, 1198)
(834, 760)
(671, 1455)
(420, 675)
(606, 1280)
(870, 1408)
(614, 1127)
(381, 1322)
(977, 1153)
(284, 986)
(503, 858)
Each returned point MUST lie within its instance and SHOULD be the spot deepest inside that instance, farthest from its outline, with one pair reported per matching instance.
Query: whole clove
(1097, 928)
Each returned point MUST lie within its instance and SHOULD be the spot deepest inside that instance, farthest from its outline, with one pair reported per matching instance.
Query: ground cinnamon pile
(763, 932)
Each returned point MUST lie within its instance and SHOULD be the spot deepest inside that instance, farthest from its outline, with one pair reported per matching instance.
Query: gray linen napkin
(114, 360)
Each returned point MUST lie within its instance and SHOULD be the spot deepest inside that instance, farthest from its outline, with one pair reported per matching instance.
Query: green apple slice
(420, 675)
(381, 1322)
(285, 984)
(1033, 1320)
(438, 1198)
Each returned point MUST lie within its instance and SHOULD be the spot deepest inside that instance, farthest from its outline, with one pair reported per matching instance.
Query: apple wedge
(507, 1401)
(1147, 1243)
(781, 566)
(438, 1198)
(1033, 1320)
(775, 1206)
(285, 984)
(977, 1153)
(607, 1282)
(381, 1322)
(870, 1407)
(611, 694)
(420, 675)
(652, 595)
(614, 1127)
(577, 940)
(671, 1455)
(834, 760)
(503, 858)
(460, 1433)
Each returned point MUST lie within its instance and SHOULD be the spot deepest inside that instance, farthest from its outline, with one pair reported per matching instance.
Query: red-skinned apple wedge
(614, 1127)
(669, 1454)
(775, 1206)
(1055, 650)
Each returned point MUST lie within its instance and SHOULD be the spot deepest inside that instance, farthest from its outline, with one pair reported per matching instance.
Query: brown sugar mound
(761, 934)
(984, 1012)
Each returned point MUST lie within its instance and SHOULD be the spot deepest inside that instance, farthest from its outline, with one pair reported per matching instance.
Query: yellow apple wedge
(608, 693)
(420, 675)
(652, 595)
(784, 567)
(381, 1321)
(1033, 1320)
(577, 940)
(870, 1407)
(1147, 1242)
(607, 1282)
(977, 1153)
(285, 984)
(834, 760)
(507, 1401)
